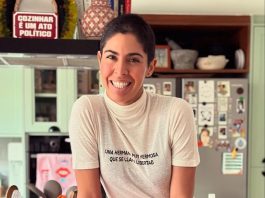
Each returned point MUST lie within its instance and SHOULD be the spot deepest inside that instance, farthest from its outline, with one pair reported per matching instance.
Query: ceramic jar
(96, 17)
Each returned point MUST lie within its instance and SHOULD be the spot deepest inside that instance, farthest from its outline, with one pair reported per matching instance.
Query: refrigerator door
(220, 110)
(163, 86)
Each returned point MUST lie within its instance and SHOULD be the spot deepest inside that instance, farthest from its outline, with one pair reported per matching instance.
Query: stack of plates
(239, 59)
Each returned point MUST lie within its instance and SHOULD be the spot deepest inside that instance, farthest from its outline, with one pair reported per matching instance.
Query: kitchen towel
(56, 167)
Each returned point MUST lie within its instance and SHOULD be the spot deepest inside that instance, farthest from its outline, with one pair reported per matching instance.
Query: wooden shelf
(197, 20)
(198, 71)
(200, 32)
(208, 34)
(49, 46)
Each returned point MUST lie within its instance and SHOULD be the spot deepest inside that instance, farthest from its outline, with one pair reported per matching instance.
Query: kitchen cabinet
(209, 35)
(50, 94)
(47, 100)
(46, 97)
(257, 110)
(12, 102)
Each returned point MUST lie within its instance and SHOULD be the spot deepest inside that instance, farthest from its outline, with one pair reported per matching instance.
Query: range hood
(48, 60)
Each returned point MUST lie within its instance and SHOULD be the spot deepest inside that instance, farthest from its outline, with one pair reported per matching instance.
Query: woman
(135, 143)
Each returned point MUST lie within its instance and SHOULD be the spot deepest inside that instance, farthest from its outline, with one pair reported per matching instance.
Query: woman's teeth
(120, 85)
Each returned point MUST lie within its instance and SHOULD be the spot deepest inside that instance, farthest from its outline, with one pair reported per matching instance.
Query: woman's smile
(120, 85)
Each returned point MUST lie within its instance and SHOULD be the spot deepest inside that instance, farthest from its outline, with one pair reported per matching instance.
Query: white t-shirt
(134, 146)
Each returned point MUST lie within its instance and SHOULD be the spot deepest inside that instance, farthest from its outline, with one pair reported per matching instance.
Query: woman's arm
(88, 183)
(182, 182)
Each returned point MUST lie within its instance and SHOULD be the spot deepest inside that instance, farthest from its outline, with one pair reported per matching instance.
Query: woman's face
(123, 67)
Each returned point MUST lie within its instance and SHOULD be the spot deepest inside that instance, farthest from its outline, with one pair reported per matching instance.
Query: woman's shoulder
(91, 101)
(167, 99)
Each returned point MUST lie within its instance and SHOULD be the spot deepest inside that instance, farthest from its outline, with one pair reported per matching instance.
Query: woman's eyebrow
(135, 54)
(130, 54)
(111, 51)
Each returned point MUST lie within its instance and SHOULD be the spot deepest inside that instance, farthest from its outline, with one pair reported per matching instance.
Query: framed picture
(162, 54)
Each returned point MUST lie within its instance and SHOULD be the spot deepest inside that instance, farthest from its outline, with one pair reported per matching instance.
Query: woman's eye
(134, 60)
(111, 57)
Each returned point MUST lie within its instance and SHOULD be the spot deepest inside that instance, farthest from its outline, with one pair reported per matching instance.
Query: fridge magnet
(222, 104)
(167, 88)
(206, 91)
(189, 87)
(223, 144)
(240, 90)
(222, 118)
(205, 137)
(232, 166)
(237, 128)
(222, 132)
(149, 88)
(223, 88)
(240, 105)
(206, 114)
(240, 143)
(234, 152)
(191, 98)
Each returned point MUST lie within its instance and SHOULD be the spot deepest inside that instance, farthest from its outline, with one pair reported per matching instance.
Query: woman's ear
(151, 68)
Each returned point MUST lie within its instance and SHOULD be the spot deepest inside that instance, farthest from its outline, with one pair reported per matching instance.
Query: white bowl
(212, 62)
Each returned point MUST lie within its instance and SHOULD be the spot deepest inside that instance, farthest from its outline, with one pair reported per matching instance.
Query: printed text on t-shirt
(126, 156)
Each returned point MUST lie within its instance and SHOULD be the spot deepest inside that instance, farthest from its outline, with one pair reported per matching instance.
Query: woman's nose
(121, 68)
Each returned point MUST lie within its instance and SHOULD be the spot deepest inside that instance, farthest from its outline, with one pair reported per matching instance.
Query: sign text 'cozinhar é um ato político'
(35, 25)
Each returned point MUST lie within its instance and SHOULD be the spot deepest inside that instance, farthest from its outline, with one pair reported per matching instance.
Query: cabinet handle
(263, 172)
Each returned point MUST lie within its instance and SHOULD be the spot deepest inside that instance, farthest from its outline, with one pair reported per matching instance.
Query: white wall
(209, 7)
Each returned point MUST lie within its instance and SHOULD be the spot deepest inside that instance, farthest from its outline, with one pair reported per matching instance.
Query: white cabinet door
(11, 102)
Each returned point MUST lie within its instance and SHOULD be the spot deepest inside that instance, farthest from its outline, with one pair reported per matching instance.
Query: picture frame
(162, 54)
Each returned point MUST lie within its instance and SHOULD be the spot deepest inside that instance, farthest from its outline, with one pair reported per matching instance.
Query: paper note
(206, 91)
(222, 104)
(232, 165)
(206, 114)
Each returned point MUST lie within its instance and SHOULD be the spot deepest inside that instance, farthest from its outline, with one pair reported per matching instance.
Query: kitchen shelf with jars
(202, 45)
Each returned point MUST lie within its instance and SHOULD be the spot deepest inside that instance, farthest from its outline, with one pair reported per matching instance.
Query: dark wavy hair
(134, 24)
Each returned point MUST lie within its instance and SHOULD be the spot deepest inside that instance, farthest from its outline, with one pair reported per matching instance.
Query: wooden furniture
(203, 33)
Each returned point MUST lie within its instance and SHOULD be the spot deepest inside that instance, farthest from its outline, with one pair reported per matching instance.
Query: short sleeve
(183, 135)
(83, 135)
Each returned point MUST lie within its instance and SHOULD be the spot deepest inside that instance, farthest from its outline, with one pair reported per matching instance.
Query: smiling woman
(123, 68)
(119, 138)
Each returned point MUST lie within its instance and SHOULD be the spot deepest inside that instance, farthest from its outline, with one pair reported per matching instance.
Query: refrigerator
(220, 108)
